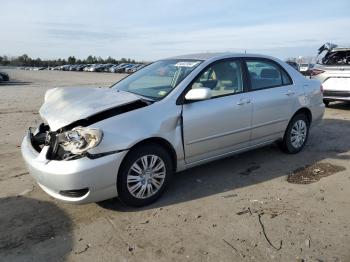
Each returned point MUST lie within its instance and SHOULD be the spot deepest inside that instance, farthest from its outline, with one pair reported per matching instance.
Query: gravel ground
(228, 210)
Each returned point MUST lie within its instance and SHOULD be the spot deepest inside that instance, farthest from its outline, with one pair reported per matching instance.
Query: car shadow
(14, 83)
(250, 168)
(339, 105)
(33, 230)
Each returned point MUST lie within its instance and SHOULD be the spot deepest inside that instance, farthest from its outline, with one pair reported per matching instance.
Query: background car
(129, 69)
(333, 71)
(107, 67)
(134, 69)
(116, 68)
(95, 67)
(4, 76)
(123, 68)
(87, 67)
(304, 68)
(64, 67)
(294, 65)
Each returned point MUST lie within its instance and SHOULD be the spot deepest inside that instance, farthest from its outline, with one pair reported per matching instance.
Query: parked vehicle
(80, 67)
(64, 67)
(4, 76)
(87, 68)
(128, 140)
(129, 69)
(134, 69)
(40, 68)
(123, 68)
(107, 67)
(294, 65)
(304, 69)
(114, 69)
(137, 68)
(94, 67)
(73, 67)
(55, 68)
(98, 68)
(333, 70)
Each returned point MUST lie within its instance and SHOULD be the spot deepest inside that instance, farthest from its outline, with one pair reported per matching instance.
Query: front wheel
(144, 175)
(296, 134)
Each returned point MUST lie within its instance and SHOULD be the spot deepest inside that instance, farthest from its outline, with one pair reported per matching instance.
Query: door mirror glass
(198, 94)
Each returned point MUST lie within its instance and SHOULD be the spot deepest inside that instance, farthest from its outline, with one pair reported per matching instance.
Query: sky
(153, 29)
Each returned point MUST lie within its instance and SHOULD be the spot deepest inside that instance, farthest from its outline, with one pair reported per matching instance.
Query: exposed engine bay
(334, 55)
(337, 58)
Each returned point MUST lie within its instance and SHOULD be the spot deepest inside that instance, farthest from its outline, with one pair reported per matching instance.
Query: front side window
(158, 79)
(266, 74)
(223, 78)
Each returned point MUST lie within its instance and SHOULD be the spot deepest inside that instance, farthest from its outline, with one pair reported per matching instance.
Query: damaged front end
(333, 55)
(74, 139)
(65, 145)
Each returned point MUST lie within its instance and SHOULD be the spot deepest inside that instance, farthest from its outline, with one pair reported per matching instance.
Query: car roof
(207, 56)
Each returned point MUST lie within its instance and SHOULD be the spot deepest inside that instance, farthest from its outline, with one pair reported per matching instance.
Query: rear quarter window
(266, 74)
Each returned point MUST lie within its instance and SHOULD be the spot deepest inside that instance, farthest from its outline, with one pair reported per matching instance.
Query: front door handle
(290, 92)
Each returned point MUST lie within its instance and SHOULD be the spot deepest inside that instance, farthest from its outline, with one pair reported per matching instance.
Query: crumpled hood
(64, 106)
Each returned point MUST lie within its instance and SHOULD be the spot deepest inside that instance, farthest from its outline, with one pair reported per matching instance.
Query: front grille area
(337, 93)
(74, 193)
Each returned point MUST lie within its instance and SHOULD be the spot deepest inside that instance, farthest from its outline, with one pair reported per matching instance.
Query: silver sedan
(174, 114)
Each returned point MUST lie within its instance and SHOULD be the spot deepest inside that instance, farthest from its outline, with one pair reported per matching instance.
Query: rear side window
(265, 74)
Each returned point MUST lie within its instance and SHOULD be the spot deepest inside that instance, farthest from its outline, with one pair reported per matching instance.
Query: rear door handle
(243, 101)
(290, 92)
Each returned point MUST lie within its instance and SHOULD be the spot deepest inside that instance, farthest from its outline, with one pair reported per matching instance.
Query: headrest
(269, 73)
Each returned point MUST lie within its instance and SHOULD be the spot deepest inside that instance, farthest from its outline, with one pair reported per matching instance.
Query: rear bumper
(336, 95)
(99, 175)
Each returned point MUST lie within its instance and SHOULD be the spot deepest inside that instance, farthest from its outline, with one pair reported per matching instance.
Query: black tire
(326, 102)
(143, 150)
(287, 144)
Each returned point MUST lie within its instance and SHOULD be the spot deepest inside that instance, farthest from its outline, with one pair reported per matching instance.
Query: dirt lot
(224, 211)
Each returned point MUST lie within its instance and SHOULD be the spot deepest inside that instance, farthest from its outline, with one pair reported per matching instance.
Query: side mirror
(197, 94)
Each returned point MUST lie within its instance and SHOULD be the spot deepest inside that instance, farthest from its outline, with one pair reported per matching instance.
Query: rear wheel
(296, 134)
(144, 175)
(5, 78)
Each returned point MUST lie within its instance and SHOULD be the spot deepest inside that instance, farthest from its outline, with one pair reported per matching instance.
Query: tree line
(25, 60)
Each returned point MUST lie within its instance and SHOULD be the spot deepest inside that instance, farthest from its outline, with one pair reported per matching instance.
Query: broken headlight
(80, 139)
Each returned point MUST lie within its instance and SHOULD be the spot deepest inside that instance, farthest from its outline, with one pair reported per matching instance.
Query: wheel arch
(303, 110)
(160, 142)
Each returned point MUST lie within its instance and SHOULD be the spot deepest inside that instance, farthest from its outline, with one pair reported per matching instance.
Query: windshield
(158, 79)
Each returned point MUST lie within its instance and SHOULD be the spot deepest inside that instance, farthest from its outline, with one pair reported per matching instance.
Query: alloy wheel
(146, 176)
(298, 134)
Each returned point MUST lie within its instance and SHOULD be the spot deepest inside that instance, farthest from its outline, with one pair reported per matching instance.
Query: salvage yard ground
(237, 209)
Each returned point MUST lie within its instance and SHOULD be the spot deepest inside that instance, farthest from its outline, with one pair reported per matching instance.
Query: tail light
(321, 88)
(315, 72)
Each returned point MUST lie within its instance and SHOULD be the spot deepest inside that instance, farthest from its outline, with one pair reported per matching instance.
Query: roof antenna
(245, 51)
